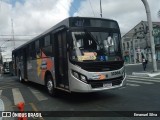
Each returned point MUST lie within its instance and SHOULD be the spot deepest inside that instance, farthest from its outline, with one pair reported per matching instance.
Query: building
(136, 43)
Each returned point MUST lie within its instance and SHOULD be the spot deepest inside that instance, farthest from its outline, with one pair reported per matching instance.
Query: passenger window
(37, 44)
(47, 40)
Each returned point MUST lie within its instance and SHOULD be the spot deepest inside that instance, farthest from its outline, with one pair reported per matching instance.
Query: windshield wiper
(94, 39)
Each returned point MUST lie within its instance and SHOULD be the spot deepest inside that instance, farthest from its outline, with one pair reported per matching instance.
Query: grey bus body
(79, 54)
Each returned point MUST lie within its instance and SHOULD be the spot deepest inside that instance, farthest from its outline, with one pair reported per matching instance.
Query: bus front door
(61, 62)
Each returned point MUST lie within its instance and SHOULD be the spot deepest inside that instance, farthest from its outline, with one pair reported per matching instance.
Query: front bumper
(79, 86)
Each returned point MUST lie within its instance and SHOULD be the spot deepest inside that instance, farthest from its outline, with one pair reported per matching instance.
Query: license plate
(107, 85)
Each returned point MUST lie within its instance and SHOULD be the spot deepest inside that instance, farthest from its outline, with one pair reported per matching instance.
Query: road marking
(134, 85)
(17, 96)
(143, 80)
(38, 94)
(35, 110)
(134, 81)
(0, 92)
(9, 86)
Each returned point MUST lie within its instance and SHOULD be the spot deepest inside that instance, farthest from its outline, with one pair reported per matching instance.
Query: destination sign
(85, 22)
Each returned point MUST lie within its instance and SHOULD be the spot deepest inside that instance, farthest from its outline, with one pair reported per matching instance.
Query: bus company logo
(6, 114)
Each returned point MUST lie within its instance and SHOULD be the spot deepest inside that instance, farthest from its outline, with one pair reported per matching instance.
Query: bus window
(37, 44)
(47, 40)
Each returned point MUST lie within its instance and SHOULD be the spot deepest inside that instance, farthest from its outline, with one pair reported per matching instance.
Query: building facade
(136, 43)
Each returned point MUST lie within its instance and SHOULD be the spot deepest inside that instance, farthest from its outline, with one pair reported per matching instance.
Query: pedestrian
(144, 63)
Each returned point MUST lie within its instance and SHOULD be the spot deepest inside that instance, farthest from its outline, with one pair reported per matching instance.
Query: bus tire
(50, 86)
(20, 78)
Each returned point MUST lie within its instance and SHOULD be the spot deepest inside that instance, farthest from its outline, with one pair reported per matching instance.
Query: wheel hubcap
(20, 78)
(50, 86)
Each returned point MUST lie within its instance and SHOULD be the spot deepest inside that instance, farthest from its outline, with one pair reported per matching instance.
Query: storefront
(157, 52)
(126, 57)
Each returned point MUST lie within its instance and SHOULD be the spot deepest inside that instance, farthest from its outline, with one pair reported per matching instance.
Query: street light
(150, 34)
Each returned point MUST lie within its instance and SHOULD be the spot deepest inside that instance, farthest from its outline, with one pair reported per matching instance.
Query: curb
(145, 74)
(133, 64)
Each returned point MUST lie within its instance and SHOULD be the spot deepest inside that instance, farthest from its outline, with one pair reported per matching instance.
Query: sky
(32, 17)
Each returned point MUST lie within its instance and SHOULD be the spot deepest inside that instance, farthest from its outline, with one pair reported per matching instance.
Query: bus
(6, 67)
(79, 54)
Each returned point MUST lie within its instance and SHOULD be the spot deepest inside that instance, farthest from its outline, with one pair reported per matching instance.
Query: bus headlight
(83, 78)
(79, 76)
(75, 74)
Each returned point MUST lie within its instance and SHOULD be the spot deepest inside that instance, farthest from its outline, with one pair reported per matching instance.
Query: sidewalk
(147, 74)
(1, 107)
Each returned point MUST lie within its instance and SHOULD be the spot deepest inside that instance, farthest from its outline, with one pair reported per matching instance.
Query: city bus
(6, 66)
(79, 54)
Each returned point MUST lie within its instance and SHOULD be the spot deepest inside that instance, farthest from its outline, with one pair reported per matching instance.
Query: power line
(12, 32)
(17, 35)
(91, 8)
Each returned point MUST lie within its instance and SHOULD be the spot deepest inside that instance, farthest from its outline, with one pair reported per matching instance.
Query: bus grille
(101, 68)
(99, 83)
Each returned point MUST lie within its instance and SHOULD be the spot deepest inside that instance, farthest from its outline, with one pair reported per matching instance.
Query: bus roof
(68, 22)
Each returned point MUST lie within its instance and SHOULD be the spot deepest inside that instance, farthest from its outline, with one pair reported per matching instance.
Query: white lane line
(38, 94)
(143, 80)
(130, 76)
(17, 96)
(134, 81)
(133, 85)
(0, 92)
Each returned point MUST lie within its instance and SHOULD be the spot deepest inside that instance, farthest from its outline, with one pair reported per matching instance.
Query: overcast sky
(32, 17)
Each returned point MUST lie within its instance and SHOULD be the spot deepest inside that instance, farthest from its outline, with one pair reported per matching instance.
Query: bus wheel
(20, 78)
(50, 86)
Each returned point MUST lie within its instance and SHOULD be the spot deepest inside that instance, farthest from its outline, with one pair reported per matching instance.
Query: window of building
(131, 43)
(124, 46)
(127, 44)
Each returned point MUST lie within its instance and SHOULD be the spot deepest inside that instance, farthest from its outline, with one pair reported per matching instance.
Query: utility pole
(150, 34)
(100, 9)
(134, 51)
(13, 33)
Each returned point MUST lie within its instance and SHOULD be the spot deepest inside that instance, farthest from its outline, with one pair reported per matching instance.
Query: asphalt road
(140, 94)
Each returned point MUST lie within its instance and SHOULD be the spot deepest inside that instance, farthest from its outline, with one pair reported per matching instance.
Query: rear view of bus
(95, 57)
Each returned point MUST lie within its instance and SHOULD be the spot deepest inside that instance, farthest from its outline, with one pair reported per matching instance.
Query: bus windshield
(95, 46)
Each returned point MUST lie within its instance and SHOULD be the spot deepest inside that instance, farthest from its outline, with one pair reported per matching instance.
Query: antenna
(100, 9)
